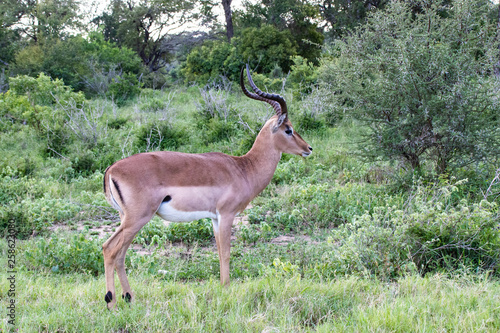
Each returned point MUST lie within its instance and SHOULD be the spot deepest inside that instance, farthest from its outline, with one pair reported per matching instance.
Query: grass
(325, 279)
(74, 303)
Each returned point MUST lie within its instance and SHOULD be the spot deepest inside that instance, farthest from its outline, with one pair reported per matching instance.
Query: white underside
(168, 213)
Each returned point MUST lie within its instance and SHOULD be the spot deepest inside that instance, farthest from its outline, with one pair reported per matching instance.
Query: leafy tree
(267, 46)
(298, 17)
(422, 83)
(210, 60)
(340, 16)
(143, 26)
(39, 20)
(85, 65)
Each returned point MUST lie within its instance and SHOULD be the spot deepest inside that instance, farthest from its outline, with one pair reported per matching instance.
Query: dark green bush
(422, 83)
(159, 136)
(78, 253)
(428, 233)
(156, 233)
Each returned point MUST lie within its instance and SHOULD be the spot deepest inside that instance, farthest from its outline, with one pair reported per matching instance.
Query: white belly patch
(168, 213)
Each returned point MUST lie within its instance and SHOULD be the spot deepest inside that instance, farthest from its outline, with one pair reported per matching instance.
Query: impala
(182, 187)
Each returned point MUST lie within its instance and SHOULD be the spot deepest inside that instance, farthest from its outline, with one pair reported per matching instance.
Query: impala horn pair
(277, 102)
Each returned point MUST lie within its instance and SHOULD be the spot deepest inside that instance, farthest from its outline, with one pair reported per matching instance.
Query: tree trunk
(497, 69)
(229, 19)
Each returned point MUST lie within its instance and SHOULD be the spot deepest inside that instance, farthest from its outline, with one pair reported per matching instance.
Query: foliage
(252, 233)
(296, 17)
(341, 16)
(156, 233)
(210, 60)
(266, 46)
(91, 65)
(422, 83)
(428, 233)
(162, 136)
(79, 253)
(24, 204)
(143, 25)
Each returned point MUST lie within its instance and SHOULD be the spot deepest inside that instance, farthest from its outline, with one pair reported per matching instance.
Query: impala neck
(261, 161)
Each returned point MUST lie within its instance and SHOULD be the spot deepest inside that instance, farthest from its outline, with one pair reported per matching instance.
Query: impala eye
(288, 131)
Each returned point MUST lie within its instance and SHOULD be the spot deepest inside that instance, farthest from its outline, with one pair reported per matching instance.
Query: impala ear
(281, 120)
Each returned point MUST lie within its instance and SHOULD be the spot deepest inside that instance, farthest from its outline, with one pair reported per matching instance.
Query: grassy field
(333, 244)
(74, 303)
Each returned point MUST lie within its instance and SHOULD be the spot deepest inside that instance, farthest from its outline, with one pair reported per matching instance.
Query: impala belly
(187, 204)
(169, 213)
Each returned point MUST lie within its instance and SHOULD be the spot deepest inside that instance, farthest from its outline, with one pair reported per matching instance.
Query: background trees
(418, 73)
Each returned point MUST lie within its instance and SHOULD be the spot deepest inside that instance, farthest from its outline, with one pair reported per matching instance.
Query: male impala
(185, 187)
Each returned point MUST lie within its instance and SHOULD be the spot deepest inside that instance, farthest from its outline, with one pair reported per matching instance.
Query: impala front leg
(223, 239)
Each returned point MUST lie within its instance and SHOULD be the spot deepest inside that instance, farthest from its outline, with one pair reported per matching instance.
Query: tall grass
(74, 303)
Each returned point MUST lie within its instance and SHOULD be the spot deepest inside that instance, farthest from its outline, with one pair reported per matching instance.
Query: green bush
(159, 136)
(267, 46)
(211, 60)
(78, 253)
(303, 207)
(44, 91)
(156, 233)
(426, 234)
(123, 88)
(36, 216)
(422, 83)
(88, 65)
(252, 233)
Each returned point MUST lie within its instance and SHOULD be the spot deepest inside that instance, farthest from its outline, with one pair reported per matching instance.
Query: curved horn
(277, 102)
(273, 97)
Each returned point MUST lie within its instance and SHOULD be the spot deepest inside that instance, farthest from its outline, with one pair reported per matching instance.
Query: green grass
(74, 303)
(351, 266)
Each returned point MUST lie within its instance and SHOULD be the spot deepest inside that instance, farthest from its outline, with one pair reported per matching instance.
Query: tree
(144, 25)
(340, 16)
(39, 20)
(422, 83)
(229, 19)
(298, 17)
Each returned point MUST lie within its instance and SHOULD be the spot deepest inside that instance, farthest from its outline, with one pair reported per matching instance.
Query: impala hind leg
(128, 237)
(109, 251)
(114, 251)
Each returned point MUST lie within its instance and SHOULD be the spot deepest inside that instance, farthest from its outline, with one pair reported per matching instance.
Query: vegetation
(392, 224)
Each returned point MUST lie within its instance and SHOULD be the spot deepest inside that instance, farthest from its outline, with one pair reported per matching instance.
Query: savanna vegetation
(391, 225)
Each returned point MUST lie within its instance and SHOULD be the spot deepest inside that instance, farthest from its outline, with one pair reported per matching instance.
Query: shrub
(123, 88)
(422, 83)
(211, 60)
(426, 234)
(78, 253)
(159, 136)
(156, 233)
(35, 216)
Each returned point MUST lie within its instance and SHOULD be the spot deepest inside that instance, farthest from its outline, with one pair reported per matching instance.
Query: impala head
(283, 136)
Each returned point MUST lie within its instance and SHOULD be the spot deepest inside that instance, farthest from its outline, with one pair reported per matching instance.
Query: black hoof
(108, 297)
(127, 297)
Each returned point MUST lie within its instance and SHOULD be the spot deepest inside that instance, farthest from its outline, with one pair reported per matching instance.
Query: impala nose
(310, 148)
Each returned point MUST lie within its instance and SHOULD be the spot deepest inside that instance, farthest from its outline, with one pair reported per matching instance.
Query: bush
(426, 234)
(211, 60)
(35, 216)
(79, 253)
(422, 83)
(154, 136)
(156, 233)
(88, 65)
(308, 206)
